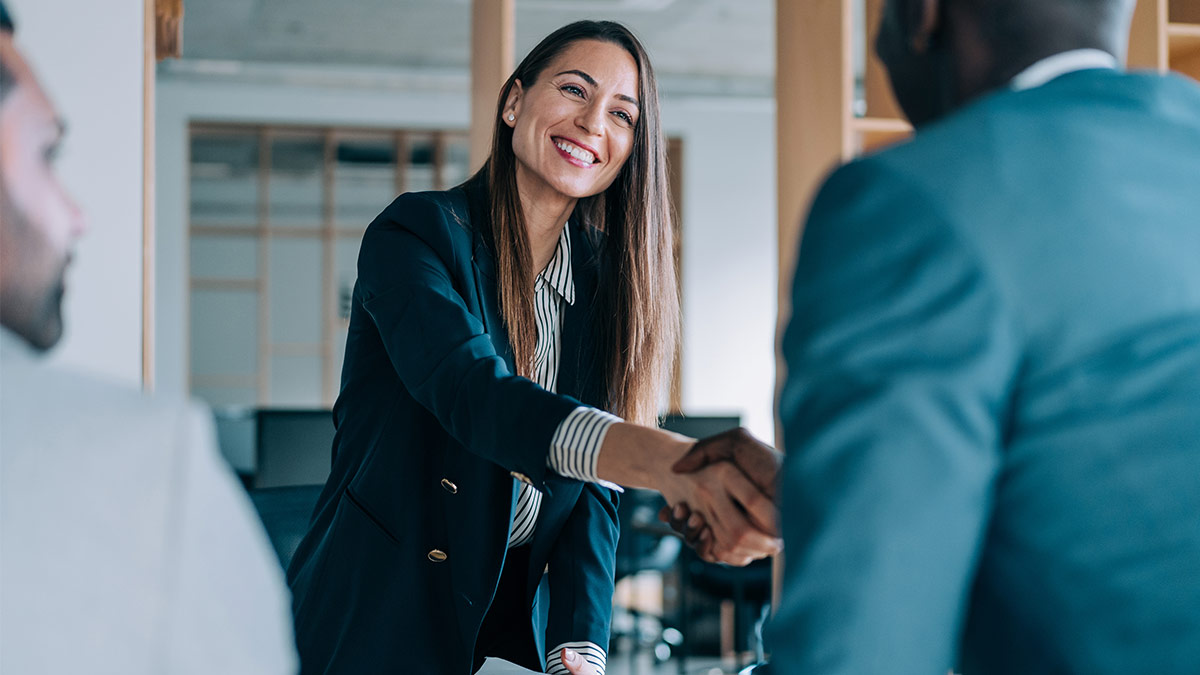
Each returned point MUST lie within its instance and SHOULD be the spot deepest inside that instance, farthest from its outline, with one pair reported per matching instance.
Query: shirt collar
(1060, 64)
(558, 273)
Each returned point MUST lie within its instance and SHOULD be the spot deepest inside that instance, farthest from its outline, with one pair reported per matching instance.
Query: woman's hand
(691, 527)
(741, 515)
(576, 664)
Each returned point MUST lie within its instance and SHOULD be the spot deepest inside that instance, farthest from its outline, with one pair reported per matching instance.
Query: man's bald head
(1018, 28)
(943, 53)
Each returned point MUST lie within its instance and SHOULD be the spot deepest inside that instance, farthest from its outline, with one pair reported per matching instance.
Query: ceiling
(698, 46)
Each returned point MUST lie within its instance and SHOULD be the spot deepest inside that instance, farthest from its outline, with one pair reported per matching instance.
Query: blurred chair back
(285, 514)
(748, 587)
(294, 447)
(645, 542)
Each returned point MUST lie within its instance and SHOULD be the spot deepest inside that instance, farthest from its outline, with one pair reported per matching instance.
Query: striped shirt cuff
(588, 650)
(575, 447)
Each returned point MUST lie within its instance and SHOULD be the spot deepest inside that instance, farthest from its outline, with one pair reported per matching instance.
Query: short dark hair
(1014, 25)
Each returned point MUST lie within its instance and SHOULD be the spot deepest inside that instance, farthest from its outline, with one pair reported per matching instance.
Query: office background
(190, 280)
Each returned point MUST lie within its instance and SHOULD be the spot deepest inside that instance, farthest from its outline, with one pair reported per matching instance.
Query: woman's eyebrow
(586, 78)
(590, 80)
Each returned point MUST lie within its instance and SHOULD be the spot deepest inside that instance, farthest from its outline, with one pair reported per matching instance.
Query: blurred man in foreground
(125, 544)
(992, 410)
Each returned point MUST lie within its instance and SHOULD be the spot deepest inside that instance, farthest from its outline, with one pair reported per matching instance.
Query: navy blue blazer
(410, 534)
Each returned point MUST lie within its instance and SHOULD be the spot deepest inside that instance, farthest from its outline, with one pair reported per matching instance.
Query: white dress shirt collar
(1060, 64)
(558, 271)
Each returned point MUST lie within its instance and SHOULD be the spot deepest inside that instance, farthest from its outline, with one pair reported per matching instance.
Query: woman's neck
(546, 212)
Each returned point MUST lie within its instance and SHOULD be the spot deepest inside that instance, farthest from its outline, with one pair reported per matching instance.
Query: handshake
(722, 499)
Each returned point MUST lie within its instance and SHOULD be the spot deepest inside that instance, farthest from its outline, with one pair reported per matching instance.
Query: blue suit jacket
(428, 395)
(992, 407)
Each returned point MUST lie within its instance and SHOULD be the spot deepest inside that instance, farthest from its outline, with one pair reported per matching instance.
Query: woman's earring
(511, 117)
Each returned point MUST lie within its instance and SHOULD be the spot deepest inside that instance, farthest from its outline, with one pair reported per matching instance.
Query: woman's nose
(591, 119)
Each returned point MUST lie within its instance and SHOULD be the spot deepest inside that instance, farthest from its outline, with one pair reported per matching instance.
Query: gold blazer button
(436, 556)
(450, 487)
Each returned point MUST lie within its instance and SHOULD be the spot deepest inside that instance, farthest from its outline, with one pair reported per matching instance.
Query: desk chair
(749, 587)
(645, 545)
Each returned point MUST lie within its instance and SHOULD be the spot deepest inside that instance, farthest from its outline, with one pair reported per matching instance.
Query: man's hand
(739, 520)
(721, 483)
(576, 664)
(759, 461)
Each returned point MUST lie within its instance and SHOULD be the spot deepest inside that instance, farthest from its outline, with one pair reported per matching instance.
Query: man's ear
(512, 105)
(923, 21)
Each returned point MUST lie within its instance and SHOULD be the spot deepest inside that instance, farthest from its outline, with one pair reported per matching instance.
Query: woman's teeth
(578, 153)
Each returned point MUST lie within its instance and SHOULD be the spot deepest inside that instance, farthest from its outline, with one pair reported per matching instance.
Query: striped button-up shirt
(575, 447)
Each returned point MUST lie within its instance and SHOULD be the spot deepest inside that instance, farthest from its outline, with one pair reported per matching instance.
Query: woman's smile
(576, 153)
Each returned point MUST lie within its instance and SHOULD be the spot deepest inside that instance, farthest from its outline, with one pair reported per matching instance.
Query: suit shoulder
(440, 219)
(64, 416)
(102, 394)
(427, 214)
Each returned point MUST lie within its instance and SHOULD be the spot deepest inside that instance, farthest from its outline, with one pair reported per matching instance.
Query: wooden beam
(1148, 36)
(168, 28)
(814, 97)
(493, 38)
(814, 91)
(149, 60)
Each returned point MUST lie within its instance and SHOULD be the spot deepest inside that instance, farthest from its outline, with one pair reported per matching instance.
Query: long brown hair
(637, 306)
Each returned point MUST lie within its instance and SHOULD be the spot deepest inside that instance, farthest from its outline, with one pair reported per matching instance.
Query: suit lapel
(484, 263)
(576, 369)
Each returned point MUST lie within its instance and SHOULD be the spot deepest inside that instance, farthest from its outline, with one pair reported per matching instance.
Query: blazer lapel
(484, 263)
(577, 363)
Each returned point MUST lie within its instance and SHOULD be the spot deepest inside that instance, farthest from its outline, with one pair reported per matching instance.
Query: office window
(276, 215)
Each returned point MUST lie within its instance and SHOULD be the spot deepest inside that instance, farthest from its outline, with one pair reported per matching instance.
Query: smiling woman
(491, 328)
(577, 94)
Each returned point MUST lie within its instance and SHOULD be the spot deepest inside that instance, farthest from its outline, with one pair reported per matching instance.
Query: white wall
(729, 252)
(88, 56)
(729, 256)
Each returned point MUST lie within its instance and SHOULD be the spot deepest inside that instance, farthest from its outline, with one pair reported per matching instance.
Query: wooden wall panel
(1147, 35)
(493, 38)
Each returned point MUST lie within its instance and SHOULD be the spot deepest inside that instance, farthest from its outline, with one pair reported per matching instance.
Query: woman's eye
(625, 117)
(573, 89)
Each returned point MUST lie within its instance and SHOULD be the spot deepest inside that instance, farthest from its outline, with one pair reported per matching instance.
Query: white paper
(494, 666)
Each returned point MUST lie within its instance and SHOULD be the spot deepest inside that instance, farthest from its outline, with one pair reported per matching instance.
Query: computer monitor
(294, 447)
(700, 426)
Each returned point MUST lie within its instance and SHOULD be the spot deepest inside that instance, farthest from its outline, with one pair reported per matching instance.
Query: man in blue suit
(991, 417)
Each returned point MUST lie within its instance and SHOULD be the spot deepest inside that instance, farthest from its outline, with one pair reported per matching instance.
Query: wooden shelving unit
(1166, 36)
(1183, 48)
